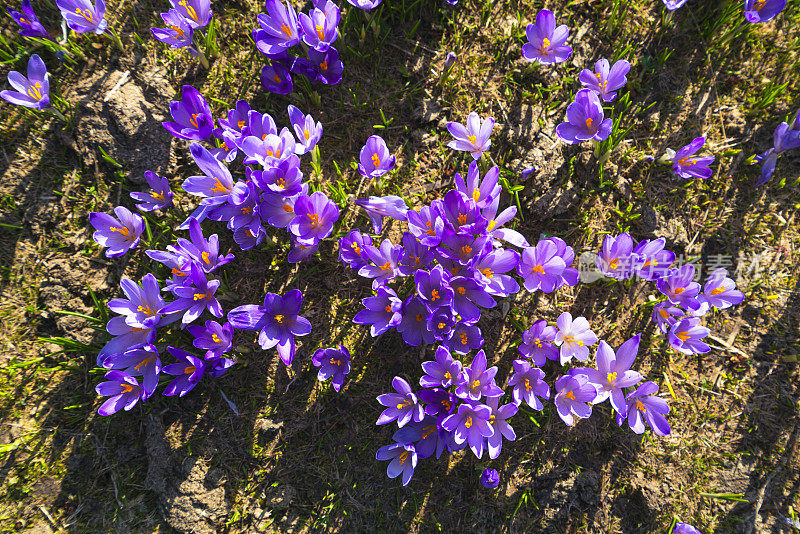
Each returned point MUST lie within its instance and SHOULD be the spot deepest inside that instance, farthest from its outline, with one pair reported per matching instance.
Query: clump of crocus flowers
(281, 29)
(685, 301)
(183, 26)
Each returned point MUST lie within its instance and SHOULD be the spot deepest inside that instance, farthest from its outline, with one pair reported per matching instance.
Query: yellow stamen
(538, 269)
(178, 272)
(200, 296)
(589, 122)
(487, 272)
(718, 290)
(216, 338)
(430, 231)
(287, 208)
(386, 266)
(527, 385)
(435, 294)
(683, 336)
(403, 457)
(570, 395)
(356, 248)
(463, 337)
(466, 249)
(613, 263)
(611, 377)
(468, 422)
(240, 124)
(190, 369)
(143, 363)
(476, 195)
(419, 317)
(206, 257)
(472, 139)
(218, 187)
(323, 65)
(320, 33)
(279, 318)
(177, 30)
(146, 309)
(193, 120)
(640, 407)
(474, 384)
(127, 388)
(663, 313)
(376, 160)
(462, 219)
(277, 78)
(124, 231)
(85, 13)
(461, 290)
(190, 10)
(156, 195)
(388, 308)
(286, 30)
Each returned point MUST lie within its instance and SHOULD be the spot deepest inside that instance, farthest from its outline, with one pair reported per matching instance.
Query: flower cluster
(460, 406)
(453, 250)
(282, 28)
(274, 192)
(133, 352)
(686, 301)
(181, 22)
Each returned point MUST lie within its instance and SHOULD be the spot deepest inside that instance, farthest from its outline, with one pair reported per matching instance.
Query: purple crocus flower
(196, 12)
(464, 337)
(125, 337)
(204, 252)
(471, 425)
(528, 383)
(327, 64)
(490, 479)
(413, 326)
(403, 406)
(541, 267)
(237, 119)
(463, 248)
(247, 238)
(189, 370)
(142, 305)
(672, 5)
(320, 26)
(215, 186)
(195, 297)
(570, 276)
(665, 315)
(381, 311)
(687, 335)
(192, 116)
(178, 32)
(277, 210)
(441, 322)
(213, 338)
(574, 392)
(160, 195)
(304, 67)
(491, 268)
(616, 260)
(538, 343)
(301, 250)
(482, 192)
(284, 179)
(574, 337)
(479, 380)
(652, 261)
(438, 402)
(684, 528)
(314, 217)
(502, 429)
(379, 207)
(679, 285)
(276, 79)
(241, 211)
(645, 407)
(82, 17)
(720, 291)
(688, 166)
(606, 80)
(468, 294)
(270, 149)
(375, 158)
(585, 120)
(384, 259)
(474, 138)
(351, 249)
(123, 389)
(613, 373)
(427, 437)
(29, 22)
(462, 214)
(279, 28)
(783, 139)
(403, 459)
(307, 131)
(366, 5)
(756, 11)
(415, 256)
(444, 371)
(277, 320)
(546, 42)
(432, 287)
(118, 234)
(332, 362)
(142, 362)
(427, 225)
(32, 91)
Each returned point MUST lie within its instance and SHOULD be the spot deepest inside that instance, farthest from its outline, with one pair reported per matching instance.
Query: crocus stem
(114, 36)
(58, 114)
(203, 59)
(315, 160)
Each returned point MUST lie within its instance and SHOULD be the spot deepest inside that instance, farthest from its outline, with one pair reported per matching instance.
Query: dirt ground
(295, 456)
